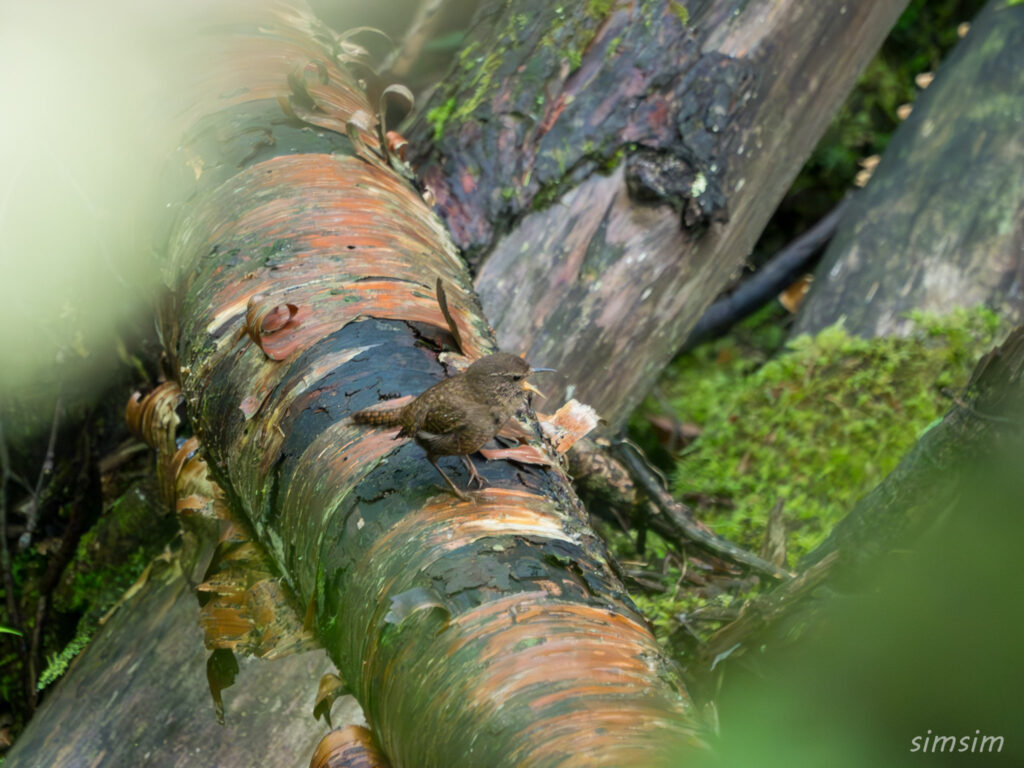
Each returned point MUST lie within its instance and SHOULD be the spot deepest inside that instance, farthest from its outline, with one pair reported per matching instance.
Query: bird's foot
(454, 488)
(474, 476)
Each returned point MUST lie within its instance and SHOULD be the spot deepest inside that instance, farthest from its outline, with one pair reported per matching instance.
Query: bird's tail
(379, 417)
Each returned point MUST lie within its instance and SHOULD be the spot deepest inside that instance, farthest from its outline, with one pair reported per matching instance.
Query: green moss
(57, 663)
(662, 568)
(599, 8)
(96, 591)
(109, 559)
(438, 117)
(680, 12)
(113, 553)
(816, 427)
(613, 160)
(613, 47)
(546, 196)
(481, 69)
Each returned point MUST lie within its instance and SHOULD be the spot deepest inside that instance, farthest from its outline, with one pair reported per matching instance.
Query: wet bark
(138, 695)
(631, 156)
(941, 223)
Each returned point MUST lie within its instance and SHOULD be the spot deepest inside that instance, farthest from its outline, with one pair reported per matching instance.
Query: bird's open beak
(530, 388)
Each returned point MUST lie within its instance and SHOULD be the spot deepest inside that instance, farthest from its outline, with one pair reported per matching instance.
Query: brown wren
(458, 416)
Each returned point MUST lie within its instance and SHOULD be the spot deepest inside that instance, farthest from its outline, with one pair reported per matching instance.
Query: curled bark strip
(330, 689)
(283, 54)
(264, 319)
(396, 144)
(355, 129)
(349, 747)
(247, 607)
(348, 34)
(182, 457)
(524, 454)
(153, 417)
(403, 96)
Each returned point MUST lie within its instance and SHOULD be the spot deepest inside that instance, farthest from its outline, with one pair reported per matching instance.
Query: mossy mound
(817, 426)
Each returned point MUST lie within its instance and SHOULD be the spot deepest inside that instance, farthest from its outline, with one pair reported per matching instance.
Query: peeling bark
(493, 630)
(512, 597)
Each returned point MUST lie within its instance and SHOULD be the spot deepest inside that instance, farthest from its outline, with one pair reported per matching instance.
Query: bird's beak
(542, 370)
(530, 388)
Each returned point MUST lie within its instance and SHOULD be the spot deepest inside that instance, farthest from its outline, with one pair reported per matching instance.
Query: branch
(679, 519)
(754, 292)
(763, 611)
(88, 484)
(44, 471)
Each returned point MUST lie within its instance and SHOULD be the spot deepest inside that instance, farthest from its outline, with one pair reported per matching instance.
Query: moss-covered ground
(812, 425)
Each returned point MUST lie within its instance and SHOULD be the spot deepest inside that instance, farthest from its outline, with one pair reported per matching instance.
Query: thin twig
(442, 301)
(960, 403)
(681, 519)
(58, 561)
(421, 29)
(764, 610)
(780, 271)
(45, 471)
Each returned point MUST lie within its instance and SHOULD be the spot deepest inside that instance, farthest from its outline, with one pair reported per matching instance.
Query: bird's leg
(474, 476)
(448, 480)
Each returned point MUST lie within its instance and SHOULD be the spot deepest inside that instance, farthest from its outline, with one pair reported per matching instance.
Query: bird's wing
(443, 418)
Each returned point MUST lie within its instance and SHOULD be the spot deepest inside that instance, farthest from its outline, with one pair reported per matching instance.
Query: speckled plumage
(458, 416)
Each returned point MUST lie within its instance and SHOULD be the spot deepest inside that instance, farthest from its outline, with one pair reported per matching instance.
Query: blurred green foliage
(929, 646)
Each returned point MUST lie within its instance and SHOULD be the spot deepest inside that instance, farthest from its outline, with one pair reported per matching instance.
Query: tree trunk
(138, 695)
(448, 619)
(705, 117)
(940, 224)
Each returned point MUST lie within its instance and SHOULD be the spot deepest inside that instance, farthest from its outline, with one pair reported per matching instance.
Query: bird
(458, 416)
